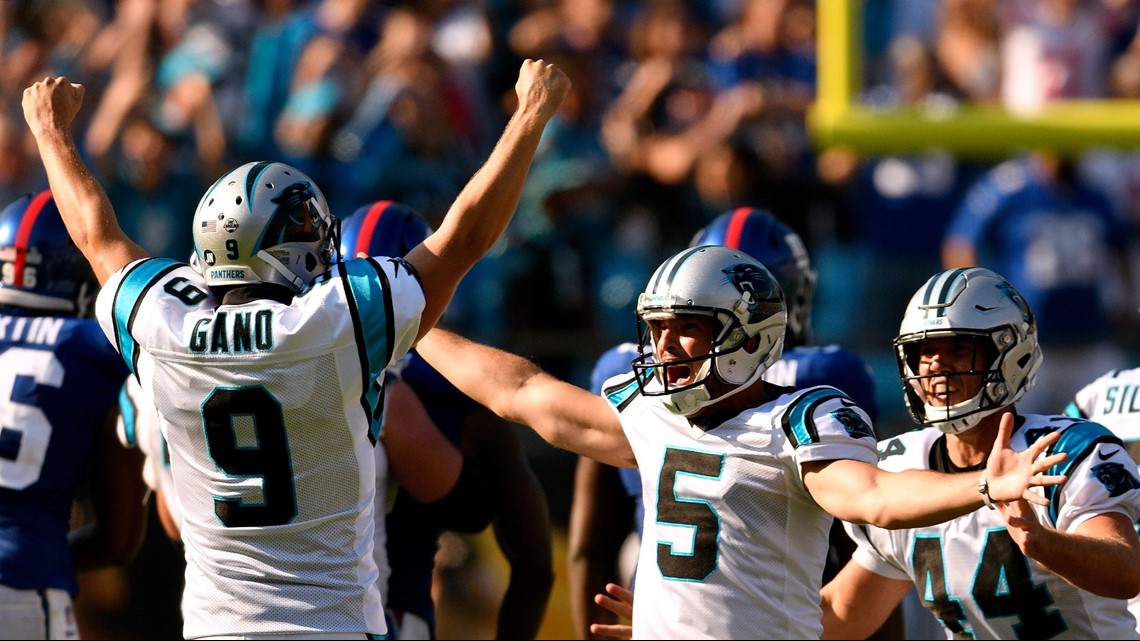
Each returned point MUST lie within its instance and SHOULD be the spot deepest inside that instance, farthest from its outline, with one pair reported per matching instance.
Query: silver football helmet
(975, 303)
(735, 290)
(264, 222)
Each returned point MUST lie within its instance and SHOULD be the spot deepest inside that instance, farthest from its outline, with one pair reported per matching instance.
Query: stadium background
(561, 290)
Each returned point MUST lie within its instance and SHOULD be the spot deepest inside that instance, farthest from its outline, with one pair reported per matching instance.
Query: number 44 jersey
(267, 409)
(969, 572)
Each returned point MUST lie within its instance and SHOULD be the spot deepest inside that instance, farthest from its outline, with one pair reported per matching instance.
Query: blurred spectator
(463, 38)
(967, 48)
(763, 63)
(885, 20)
(668, 112)
(272, 54)
(406, 136)
(19, 172)
(888, 191)
(324, 71)
(43, 37)
(153, 187)
(278, 50)
(1065, 247)
(1055, 49)
(590, 32)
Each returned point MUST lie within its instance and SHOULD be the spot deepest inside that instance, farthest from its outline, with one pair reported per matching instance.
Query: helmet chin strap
(281, 269)
(738, 389)
(688, 401)
(697, 398)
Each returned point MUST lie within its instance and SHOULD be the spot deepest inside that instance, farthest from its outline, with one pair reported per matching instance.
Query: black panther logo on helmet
(755, 287)
(294, 220)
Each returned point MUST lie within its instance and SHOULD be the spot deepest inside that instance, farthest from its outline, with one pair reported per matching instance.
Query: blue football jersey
(59, 378)
(1053, 243)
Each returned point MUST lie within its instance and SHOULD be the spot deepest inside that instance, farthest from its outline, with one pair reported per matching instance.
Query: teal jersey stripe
(1072, 410)
(1078, 440)
(130, 418)
(128, 298)
(620, 394)
(366, 285)
(376, 330)
(798, 422)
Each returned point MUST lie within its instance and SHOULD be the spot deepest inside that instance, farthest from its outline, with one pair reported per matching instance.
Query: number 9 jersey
(267, 408)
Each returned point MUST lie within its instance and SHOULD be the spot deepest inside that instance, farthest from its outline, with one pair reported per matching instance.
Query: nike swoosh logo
(983, 308)
(1107, 455)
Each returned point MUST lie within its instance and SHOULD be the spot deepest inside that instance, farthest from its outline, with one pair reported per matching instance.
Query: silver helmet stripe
(667, 271)
(939, 290)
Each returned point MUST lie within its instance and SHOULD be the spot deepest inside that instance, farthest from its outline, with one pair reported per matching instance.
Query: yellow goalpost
(970, 131)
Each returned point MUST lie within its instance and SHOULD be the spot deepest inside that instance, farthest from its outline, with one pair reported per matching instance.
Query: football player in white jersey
(260, 359)
(1061, 567)
(1113, 400)
(604, 495)
(741, 477)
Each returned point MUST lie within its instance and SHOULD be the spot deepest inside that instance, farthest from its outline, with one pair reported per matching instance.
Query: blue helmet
(41, 269)
(382, 228)
(764, 237)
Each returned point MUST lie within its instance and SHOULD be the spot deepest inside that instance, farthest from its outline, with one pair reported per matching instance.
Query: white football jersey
(268, 412)
(968, 571)
(1112, 400)
(733, 545)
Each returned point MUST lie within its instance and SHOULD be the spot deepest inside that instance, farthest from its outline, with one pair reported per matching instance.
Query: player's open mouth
(677, 374)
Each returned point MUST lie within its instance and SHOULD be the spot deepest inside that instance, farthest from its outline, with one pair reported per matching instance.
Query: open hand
(619, 601)
(1012, 475)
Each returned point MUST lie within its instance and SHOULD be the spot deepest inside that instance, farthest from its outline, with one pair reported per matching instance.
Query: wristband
(984, 490)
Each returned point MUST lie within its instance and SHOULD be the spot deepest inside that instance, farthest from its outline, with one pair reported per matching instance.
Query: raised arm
(518, 390)
(486, 204)
(857, 492)
(50, 106)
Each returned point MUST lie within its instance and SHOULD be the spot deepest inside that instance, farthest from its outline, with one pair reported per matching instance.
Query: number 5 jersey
(733, 545)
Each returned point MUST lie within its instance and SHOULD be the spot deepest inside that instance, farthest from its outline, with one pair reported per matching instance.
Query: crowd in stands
(679, 110)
